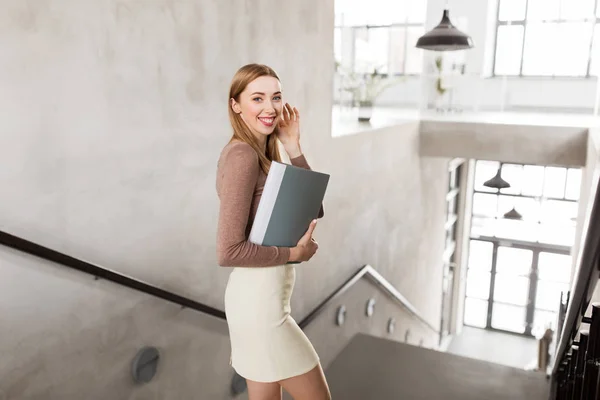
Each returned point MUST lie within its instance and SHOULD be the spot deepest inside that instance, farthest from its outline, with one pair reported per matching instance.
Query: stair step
(375, 368)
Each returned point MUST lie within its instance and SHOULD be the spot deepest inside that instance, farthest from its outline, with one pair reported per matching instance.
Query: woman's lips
(267, 121)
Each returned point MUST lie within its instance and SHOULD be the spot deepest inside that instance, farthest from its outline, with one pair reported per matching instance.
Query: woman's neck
(262, 141)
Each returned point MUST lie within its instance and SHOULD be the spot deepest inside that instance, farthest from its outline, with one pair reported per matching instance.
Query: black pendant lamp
(513, 214)
(445, 37)
(497, 182)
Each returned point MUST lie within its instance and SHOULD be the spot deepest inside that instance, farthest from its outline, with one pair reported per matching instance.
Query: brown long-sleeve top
(240, 183)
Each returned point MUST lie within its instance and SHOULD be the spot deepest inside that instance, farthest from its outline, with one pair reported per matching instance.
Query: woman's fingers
(285, 114)
(291, 112)
(306, 238)
(311, 228)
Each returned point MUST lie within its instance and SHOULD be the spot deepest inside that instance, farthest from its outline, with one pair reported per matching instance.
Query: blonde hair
(241, 79)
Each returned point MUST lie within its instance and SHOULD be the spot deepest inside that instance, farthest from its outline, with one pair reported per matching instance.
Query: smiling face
(260, 106)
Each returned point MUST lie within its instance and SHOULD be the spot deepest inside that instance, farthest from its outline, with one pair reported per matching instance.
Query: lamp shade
(513, 214)
(497, 182)
(445, 37)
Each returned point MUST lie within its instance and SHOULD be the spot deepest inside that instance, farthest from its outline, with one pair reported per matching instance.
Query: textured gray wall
(355, 300)
(530, 142)
(67, 336)
(113, 117)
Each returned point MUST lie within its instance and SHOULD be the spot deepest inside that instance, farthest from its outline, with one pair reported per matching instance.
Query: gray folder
(291, 199)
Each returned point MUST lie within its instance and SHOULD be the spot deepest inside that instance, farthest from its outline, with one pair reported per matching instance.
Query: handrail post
(562, 382)
(580, 366)
(590, 376)
(571, 374)
(597, 385)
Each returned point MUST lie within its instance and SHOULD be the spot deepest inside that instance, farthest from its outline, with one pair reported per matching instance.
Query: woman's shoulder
(239, 152)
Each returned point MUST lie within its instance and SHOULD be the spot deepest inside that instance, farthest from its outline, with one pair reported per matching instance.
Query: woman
(267, 346)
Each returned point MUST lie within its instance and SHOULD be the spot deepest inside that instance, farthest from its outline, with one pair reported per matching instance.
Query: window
(545, 197)
(548, 38)
(515, 288)
(455, 169)
(379, 34)
(521, 237)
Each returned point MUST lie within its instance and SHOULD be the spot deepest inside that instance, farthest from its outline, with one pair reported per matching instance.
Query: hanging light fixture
(445, 36)
(497, 182)
(513, 214)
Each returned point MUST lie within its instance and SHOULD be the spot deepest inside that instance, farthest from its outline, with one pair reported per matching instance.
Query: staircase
(370, 368)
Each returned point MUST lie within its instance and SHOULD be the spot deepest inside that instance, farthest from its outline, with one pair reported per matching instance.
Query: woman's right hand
(306, 247)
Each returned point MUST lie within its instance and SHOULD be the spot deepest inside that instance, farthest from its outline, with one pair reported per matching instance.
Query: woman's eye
(277, 98)
(257, 99)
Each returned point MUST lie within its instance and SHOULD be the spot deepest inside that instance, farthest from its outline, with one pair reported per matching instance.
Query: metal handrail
(136, 284)
(584, 281)
(71, 262)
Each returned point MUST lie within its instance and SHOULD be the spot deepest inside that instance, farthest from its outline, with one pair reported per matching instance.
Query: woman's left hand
(289, 130)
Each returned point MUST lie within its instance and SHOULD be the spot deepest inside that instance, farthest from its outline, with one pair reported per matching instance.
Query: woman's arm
(239, 175)
(288, 134)
(300, 161)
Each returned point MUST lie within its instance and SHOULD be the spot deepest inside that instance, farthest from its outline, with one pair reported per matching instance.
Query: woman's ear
(235, 106)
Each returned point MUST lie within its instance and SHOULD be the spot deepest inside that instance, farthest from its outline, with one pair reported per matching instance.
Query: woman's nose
(269, 106)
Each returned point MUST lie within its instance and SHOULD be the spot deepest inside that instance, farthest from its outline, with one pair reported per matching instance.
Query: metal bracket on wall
(370, 307)
(340, 317)
(391, 325)
(144, 365)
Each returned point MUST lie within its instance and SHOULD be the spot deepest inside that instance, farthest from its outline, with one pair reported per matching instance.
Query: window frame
(524, 23)
(533, 277)
(540, 200)
(404, 25)
(538, 247)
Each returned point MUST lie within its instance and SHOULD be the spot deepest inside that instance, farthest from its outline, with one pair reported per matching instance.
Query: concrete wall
(111, 129)
(387, 209)
(507, 142)
(67, 336)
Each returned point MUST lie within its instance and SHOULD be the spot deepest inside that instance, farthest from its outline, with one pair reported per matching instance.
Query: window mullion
(353, 55)
(405, 25)
(496, 38)
(389, 51)
(597, 21)
(589, 63)
(404, 63)
(524, 37)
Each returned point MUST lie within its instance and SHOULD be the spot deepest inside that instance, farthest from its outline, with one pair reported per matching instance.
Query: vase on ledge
(365, 111)
(439, 103)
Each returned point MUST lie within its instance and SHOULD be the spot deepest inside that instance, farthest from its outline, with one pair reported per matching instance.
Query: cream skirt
(266, 343)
